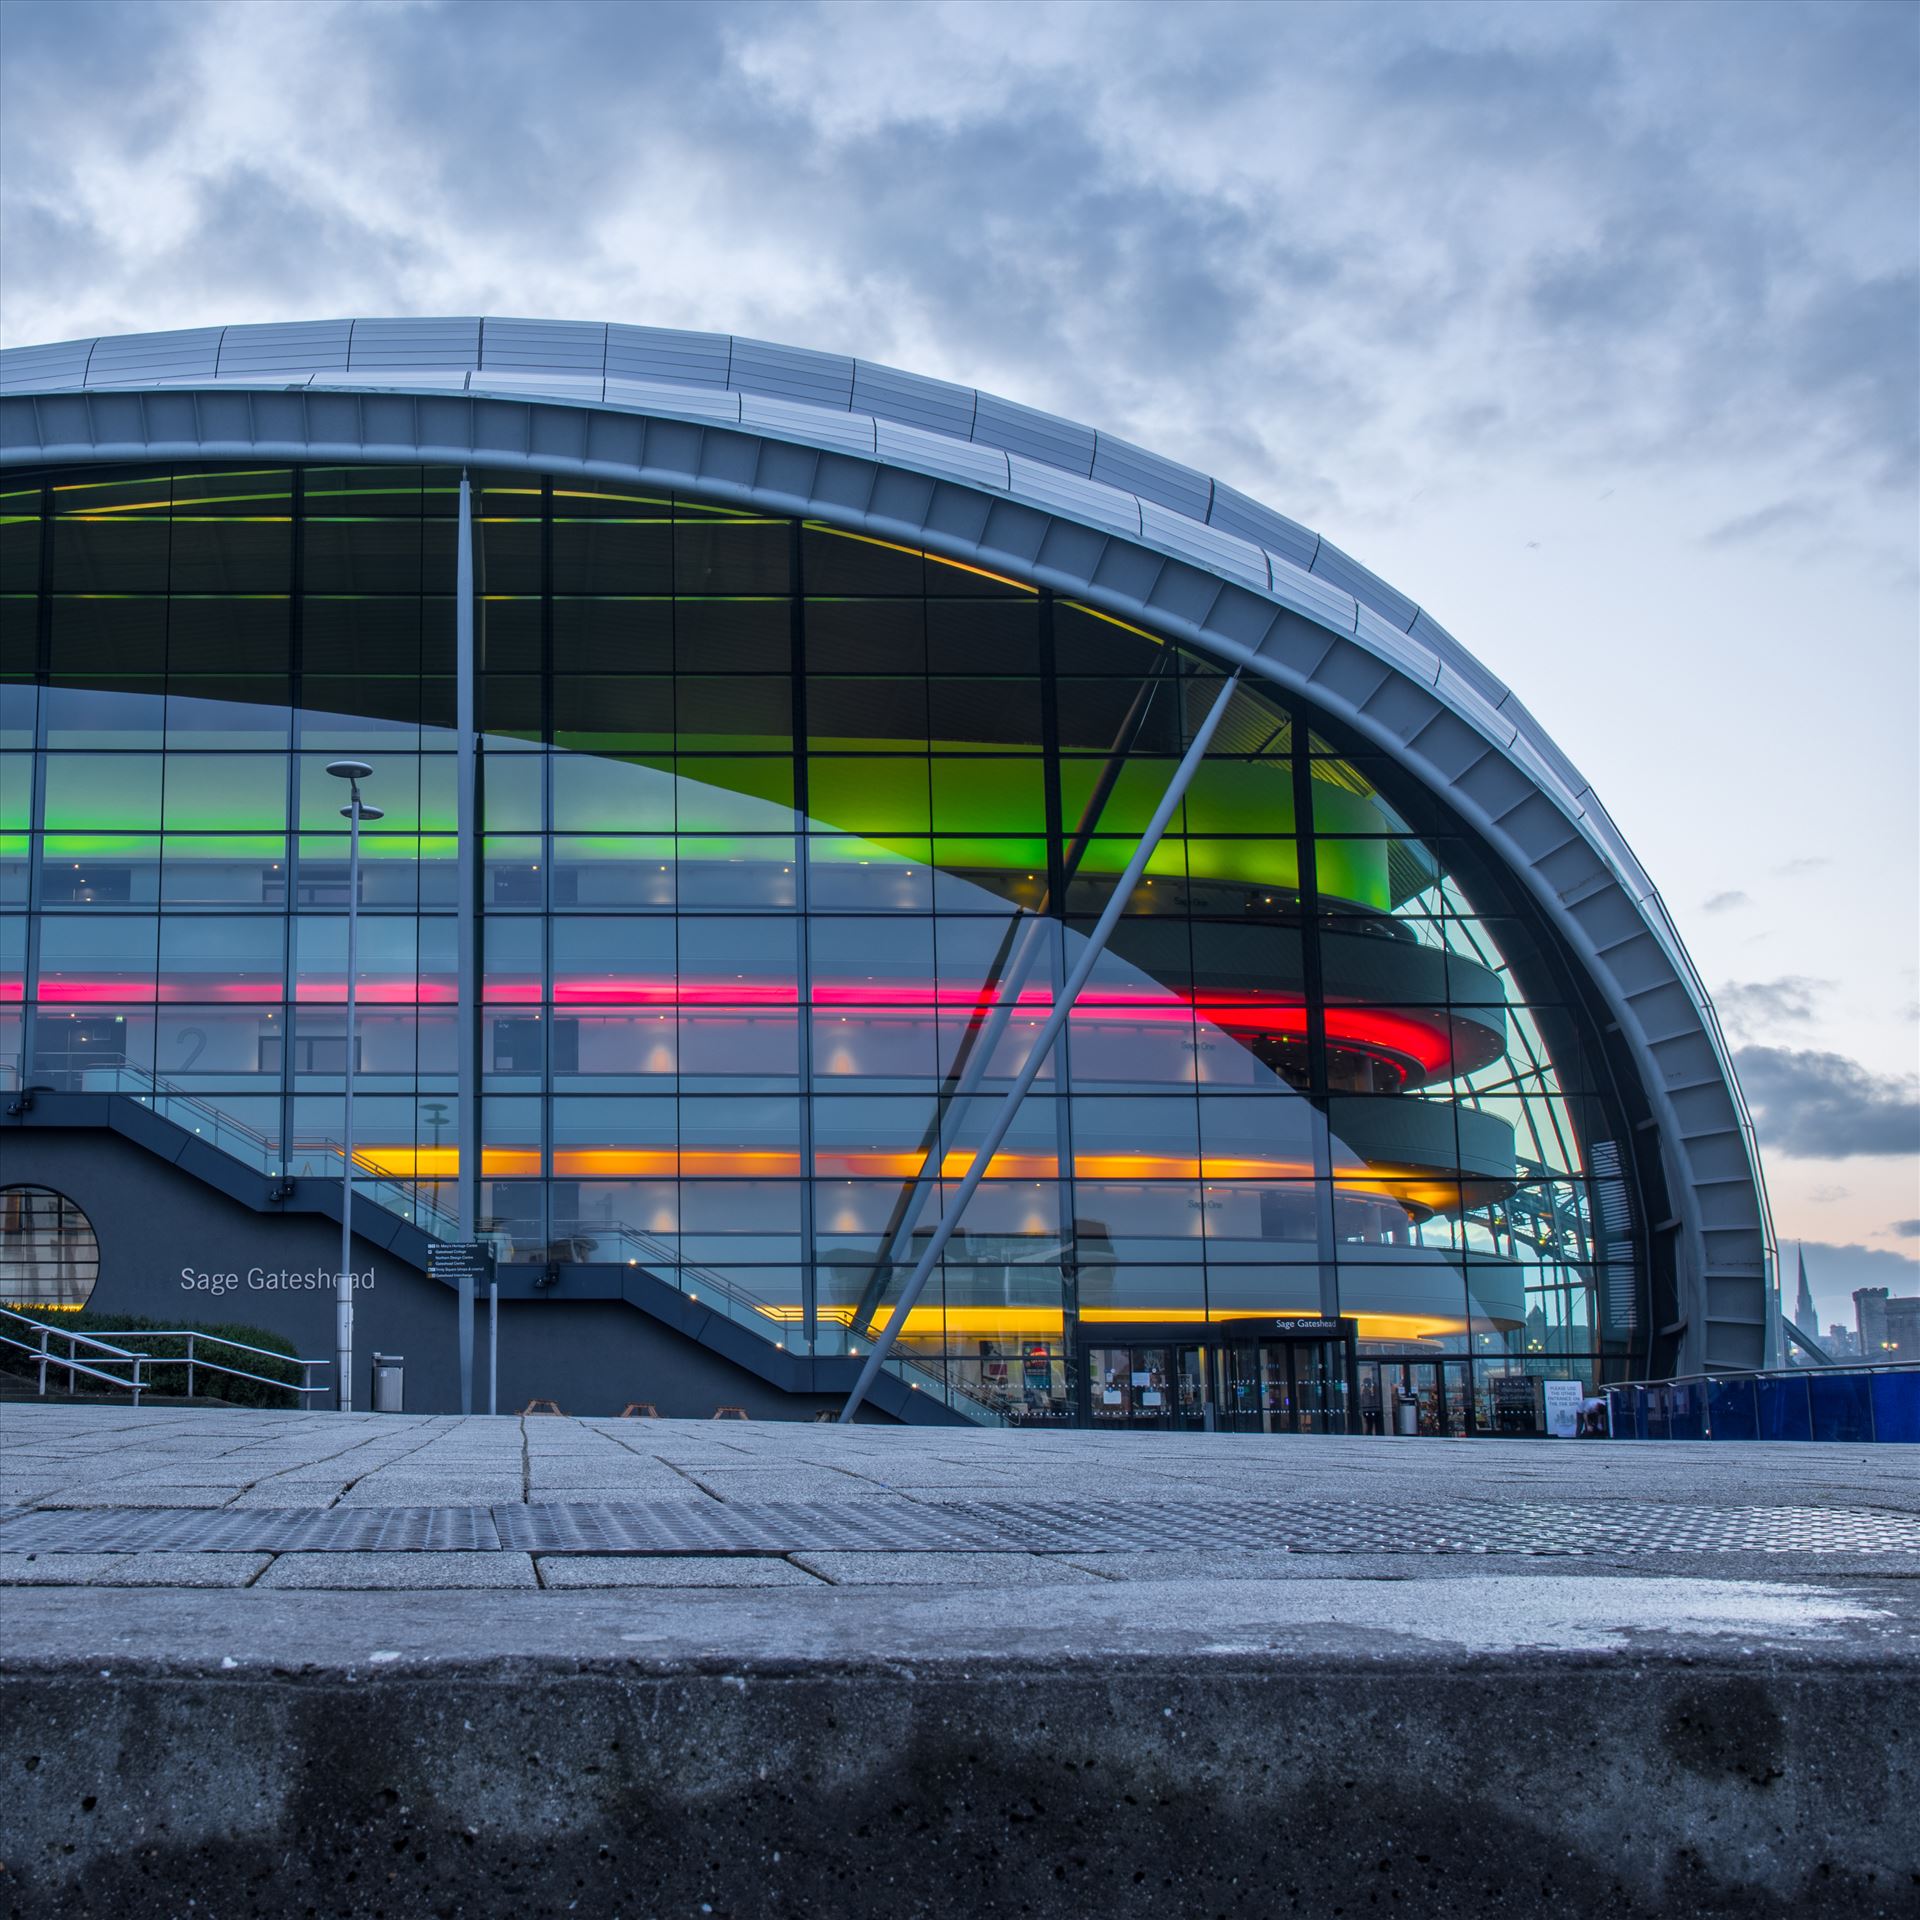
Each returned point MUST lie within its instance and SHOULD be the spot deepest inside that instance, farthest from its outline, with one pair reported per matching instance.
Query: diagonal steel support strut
(981, 1043)
(1044, 1042)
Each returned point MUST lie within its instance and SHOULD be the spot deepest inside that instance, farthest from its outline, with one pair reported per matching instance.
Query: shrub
(173, 1379)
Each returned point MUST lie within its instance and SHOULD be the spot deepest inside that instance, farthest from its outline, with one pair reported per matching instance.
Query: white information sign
(1562, 1409)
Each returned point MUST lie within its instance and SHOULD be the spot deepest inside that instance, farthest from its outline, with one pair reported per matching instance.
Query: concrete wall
(161, 1230)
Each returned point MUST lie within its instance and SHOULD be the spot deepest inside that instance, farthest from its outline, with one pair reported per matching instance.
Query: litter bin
(389, 1383)
(1406, 1412)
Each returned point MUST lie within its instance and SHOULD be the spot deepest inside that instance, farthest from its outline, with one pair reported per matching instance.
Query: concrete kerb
(1267, 1748)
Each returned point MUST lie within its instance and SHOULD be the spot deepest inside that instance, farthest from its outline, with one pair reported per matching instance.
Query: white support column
(1043, 1044)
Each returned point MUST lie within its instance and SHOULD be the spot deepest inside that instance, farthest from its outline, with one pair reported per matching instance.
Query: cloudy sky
(1593, 328)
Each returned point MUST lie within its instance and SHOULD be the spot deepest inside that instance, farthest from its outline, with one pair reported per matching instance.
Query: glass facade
(773, 816)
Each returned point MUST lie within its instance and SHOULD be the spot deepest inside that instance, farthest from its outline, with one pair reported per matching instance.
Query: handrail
(73, 1365)
(69, 1334)
(661, 1255)
(1771, 1373)
(140, 1382)
(383, 1189)
(217, 1339)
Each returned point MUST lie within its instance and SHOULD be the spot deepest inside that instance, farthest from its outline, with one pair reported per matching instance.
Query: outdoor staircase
(200, 1139)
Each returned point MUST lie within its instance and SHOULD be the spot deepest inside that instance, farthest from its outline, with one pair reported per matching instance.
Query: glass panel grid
(772, 814)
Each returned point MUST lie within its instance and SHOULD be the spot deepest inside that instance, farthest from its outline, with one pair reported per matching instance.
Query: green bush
(173, 1379)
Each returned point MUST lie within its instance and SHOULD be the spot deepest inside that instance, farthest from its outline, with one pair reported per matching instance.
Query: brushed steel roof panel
(1153, 477)
(1237, 513)
(667, 356)
(818, 426)
(974, 466)
(1346, 572)
(936, 406)
(581, 389)
(291, 347)
(792, 373)
(674, 400)
(415, 343)
(1234, 559)
(61, 363)
(1085, 499)
(570, 347)
(1034, 435)
(401, 379)
(1317, 599)
(1393, 643)
(134, 357)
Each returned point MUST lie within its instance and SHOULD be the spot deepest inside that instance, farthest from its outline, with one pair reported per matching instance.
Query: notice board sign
(460, 1262)
(1560, 1407)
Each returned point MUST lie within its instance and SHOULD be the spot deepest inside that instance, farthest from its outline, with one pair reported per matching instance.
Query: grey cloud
(1858, 347)
(1659, 271)
(1824, 1106)
(44, 239)
(1725, 902)
(1904, 1229)
(1802, 864)
(1493, 96)
(268, 241)
(1748, 1005)
(1798, 515)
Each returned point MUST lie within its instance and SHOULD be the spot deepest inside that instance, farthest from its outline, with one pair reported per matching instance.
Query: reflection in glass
(773, 817)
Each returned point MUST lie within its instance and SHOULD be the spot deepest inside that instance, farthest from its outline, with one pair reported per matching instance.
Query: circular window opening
(49, 1258)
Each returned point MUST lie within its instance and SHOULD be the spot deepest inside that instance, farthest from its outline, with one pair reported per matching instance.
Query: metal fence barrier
(1872, 1404)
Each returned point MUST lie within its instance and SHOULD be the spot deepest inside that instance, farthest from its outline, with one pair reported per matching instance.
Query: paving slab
(582, 1570)
(115, 1493)
(131, 1569)
(675, 1489)
(275, 1494)
(942, 1569)
(421, 1490)
(368, 1572)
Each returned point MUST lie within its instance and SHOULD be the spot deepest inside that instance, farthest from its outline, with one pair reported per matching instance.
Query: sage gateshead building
(865, 866)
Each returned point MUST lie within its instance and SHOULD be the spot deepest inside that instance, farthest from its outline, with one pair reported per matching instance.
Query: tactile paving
(1521, 1528)
(252, 1530)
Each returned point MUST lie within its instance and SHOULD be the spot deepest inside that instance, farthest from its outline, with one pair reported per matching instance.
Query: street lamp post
(355, 811)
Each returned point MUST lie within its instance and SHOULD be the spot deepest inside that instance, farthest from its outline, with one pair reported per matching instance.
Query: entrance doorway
(1286, 1374)
(1439, 1392)
(1150, 1386)
(1286, 1386)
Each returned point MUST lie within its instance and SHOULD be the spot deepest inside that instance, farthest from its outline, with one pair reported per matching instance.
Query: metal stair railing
(747, 1309)
(102, 1350)
(105, 1354)
(234, 1137)
(409, 1199)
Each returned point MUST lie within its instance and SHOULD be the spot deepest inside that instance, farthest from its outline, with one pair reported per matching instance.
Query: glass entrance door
(1147, 1386)
(1377, 1383)
(1319, 1386)
(1285, 1386)
(1436, 1394)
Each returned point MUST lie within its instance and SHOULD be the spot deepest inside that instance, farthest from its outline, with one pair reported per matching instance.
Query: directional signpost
(462, 1264)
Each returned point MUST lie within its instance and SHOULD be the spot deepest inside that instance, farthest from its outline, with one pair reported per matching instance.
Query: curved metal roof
(976, 476)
